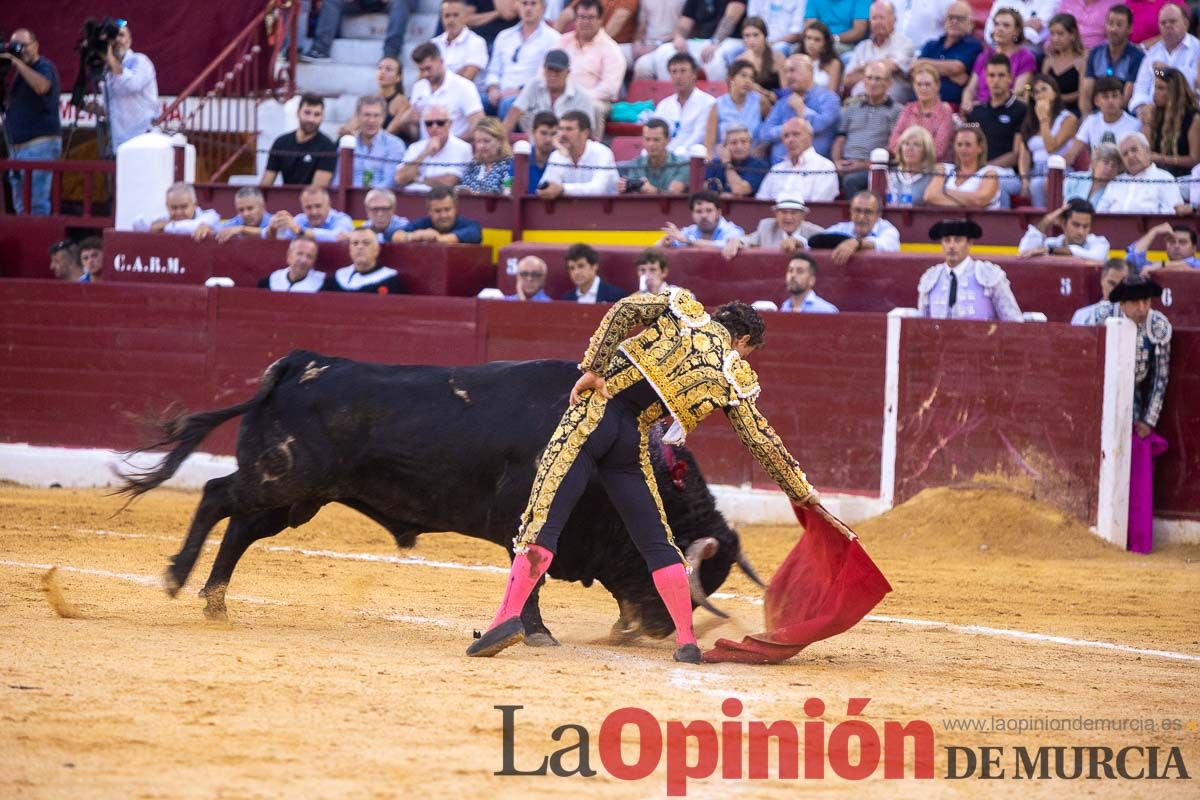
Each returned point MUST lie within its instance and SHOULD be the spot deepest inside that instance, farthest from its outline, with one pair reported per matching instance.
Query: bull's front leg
(536, 632)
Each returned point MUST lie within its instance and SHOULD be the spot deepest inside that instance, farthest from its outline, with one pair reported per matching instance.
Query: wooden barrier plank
(1176, 488)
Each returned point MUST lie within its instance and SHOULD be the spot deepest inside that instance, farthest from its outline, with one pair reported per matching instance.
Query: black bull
(419, 449)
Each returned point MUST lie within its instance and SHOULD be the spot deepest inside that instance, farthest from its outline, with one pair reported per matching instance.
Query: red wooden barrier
(1176, 488)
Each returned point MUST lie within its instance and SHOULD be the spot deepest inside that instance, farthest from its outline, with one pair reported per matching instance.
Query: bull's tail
(183, 433)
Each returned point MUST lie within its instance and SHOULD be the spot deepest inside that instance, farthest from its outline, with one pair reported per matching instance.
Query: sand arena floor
(342, 676)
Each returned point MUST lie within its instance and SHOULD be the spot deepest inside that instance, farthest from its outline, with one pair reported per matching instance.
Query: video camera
(94, 39)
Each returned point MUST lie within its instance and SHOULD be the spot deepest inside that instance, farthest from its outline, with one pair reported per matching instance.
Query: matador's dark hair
(742, 320)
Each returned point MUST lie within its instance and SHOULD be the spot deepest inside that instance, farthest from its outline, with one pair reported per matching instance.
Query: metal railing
(87, 197)
(218, 111)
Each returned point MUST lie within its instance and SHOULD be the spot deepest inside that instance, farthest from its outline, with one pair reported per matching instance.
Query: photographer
(130, 89)
(31, 123)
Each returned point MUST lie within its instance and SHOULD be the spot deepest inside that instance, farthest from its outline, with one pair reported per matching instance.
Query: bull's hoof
(688, 654)
(216, 613)
(171, 582)
(503, 636)
(541, 639)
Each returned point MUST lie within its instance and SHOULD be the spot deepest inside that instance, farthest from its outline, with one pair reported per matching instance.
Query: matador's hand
(589, 380)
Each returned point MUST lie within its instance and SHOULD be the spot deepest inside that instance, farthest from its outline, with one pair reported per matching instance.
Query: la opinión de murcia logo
(152, 265)
(736, 749)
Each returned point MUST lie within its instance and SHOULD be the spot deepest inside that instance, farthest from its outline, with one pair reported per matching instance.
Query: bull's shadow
(420, 449)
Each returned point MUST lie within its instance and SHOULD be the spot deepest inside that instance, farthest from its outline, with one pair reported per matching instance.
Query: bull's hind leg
(244, 530)
(215, 505)
(536, 632)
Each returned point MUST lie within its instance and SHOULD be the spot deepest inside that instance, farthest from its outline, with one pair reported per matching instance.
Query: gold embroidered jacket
(690, 361)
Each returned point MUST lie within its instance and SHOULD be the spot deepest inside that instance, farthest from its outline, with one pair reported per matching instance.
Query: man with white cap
(787, 230)
(962, 287)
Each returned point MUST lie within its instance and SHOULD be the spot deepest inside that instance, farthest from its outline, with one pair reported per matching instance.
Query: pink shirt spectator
(1145, 18)
(1090, 18)
(599, 66)
(1023, 61)
(940, 124)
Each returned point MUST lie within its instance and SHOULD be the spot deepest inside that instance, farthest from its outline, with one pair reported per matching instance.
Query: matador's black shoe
(506, 634)
(688, 654)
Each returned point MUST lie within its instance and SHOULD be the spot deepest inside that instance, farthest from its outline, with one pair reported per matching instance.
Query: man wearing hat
(1131, 298)
(552, 91)
(788, 230)
(865, 230)
(962, 287)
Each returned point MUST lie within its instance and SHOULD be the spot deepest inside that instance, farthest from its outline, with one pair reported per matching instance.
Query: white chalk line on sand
(971, 630)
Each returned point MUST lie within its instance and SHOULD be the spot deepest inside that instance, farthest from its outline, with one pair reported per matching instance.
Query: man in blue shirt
(953, 55)
(65, 264)
(34, 131)
(818, 105)
(251, 218)
(531, 281)
(801, 278)
(1180, 245)
(320, 221)
(442, 224)
(847, 19)
(708, 229)
(735, 170)
(1116, 58)
(545, 128)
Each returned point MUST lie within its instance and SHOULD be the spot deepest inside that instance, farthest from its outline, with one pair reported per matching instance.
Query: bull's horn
(697, 552)
(744, 563)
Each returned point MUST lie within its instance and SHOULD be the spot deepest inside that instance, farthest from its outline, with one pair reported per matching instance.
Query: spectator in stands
(531, 281)
(1047, 130)
(921, 20)
(377, 153)
(758, 53)
(579, 165)
(330, 20)
(1035, 15)
(1176, 48)
(886, 45)
(488, 18)
(439, 159)
(1180, 245)
(298, 275)
(517, 56)
(953, 54)
(553, 91)
(464, 52)
(65, 264)
(1174, 129)
(583, 264)
(1065, 59)
(1077, 240)
(442, 223)
(1108, 123)
(1010, 42)
(657, 169)
(787, 230)
(818, 44)
(819, 107)
(801, 278)
(741, 105)
(1115, 58)
(802, 170)
(491, 168)
(656, 25)
(1090, 15)
(381, 215)
(619, 20)
(915, 165)
(251, 218)
(597, 63)
(320, 221)
(866, 123)
(184, 216)
(686, 110)
(542, 139)
(130, 91)
(364, 274)
(736, 170)
(1000, 118)
(91, 256)
(1143, 188)
(1114, 271)
(865, 230)
(962, 287)
(781, 26)
(389, 75)
(32, 125)
(709, 227)
(436, 86)
(705, 30)
(1090, 186)
(929, 111)
(970, 181)
(652, 270)
(846, 21)
(305, 156)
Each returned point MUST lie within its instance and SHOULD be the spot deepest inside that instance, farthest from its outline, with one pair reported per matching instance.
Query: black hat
(955, 227)
(557, 59)
(826, 241)
(1135, 287)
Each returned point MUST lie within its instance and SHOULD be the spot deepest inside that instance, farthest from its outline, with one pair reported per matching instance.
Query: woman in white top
(818, 45)
(915, 168)
(1047, 130)
(970, 181)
